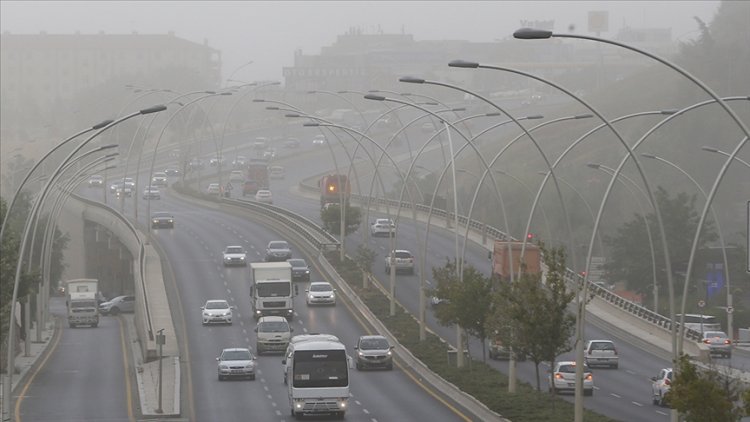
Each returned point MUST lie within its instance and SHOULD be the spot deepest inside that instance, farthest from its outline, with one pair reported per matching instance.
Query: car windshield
(278, 245)
(273, 327)
(320, 288)
(709, 334)
(403, 254)
(235, 249)
(374, 344)
(237, 355)
(296, 263)
(217, 305)
(571, 368)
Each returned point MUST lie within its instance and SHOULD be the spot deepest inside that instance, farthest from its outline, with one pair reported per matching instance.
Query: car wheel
(221, 377)
(654, 400)
(615, 366)
(252, 377)
(588, 392)
(389, 367)
(359, 366)
(95, 325)
(114, 311)
(729, 356)
(72, 325)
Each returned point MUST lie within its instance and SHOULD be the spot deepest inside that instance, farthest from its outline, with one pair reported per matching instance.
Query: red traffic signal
(530, 236)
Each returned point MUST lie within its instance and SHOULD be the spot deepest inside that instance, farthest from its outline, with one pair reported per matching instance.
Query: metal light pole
(730, 327)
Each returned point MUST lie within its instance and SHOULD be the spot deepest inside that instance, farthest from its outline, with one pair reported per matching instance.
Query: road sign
(730, 309)
(701, 303)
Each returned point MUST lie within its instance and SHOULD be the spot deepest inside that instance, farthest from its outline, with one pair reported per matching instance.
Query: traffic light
(530, 236)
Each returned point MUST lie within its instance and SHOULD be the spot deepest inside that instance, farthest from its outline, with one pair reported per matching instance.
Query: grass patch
(485, 383)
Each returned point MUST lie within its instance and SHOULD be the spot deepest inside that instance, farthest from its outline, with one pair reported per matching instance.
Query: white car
(217, 312)
(96, 181)
(383, 227)
(151, 192)
(159, 179)
(563, 378)
(213, 189)
(264, 196)
(319, 140)
(320, 293)
(236, 176)
(403, 261)
(660, 385)
(235, 255)
(601, 352)
(236, 362)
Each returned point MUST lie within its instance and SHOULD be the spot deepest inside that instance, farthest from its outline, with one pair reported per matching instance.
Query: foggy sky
(268, 33)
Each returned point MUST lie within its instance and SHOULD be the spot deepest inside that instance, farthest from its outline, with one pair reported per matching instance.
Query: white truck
(318, 377)
(81, 299)
(271, 289)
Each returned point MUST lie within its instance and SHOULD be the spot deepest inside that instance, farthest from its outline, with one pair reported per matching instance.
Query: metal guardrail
(306, 228)
(571, 276)
(141, 255)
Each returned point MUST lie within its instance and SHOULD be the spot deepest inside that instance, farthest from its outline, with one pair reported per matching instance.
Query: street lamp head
(209, 92)
(374, 97)
(272, 108)
(154, 109)
(534, 117)
(259, 100)
(500, 172)
(111, 156)
(709, 149)
(542, 173)
(312, 92)
(226, 93)
(373, 90)
(108, 146)
(668, 112)
(102, 124)
(293, 115)
(432, 103)
(411, 80)
(463, 64)
(583, 116)
(593, 165)
(531, 34)
(643, 154)
(493, 114)
(311, 124)
(459, 109)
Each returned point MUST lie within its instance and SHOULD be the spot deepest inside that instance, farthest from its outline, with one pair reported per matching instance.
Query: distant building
(55, 67)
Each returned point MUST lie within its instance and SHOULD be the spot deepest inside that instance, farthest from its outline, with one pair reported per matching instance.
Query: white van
(274, 333)
(700, 322)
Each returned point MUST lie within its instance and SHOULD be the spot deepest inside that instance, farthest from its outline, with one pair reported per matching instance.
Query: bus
(700, 322)
(318, 382)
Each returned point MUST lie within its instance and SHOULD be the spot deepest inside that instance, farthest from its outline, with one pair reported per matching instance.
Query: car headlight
(361, 354)
(224, 367)
(307, 271)
(242, 258)
(333, 295)
(206, 314)
(227, 314)
(155, 221)
(388, 353)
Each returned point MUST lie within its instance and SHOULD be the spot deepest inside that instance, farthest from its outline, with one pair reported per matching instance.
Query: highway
(193, 251)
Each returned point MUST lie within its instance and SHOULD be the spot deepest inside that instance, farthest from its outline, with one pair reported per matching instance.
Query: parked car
(383, 227)
(213, 189)
(162, 219)
(300, 270)
(264, 196)
(151, 192)
(96, 181)
(660, 385)
(159, 179)
(278, 250)
(217, 311)
(601, 352)
(236, 362)
(235, 255)
(117, 305)
(563, 378)
(403, 261)
(373, 352)
(718, 343)
(320, 293)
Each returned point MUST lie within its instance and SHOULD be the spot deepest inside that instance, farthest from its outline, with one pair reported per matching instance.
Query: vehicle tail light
(667, 382)
(589, 377)
(727, 341)
(707, 341)
(558, 376)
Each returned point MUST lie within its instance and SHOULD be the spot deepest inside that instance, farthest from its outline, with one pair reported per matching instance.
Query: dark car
(278, 250)
(300, 270)
(162, 220)
(374, 352)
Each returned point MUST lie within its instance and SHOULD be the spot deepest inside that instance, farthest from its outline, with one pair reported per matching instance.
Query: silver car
(236, 363)
(278, 250)
(718, 343)
(601, 352)
(117, 305)
(374, 352)
(217, 312)
(321, 293)
(563, 378)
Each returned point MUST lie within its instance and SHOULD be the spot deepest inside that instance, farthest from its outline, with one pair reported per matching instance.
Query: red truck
(257, 178)
(501, 264)
(332, 188)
